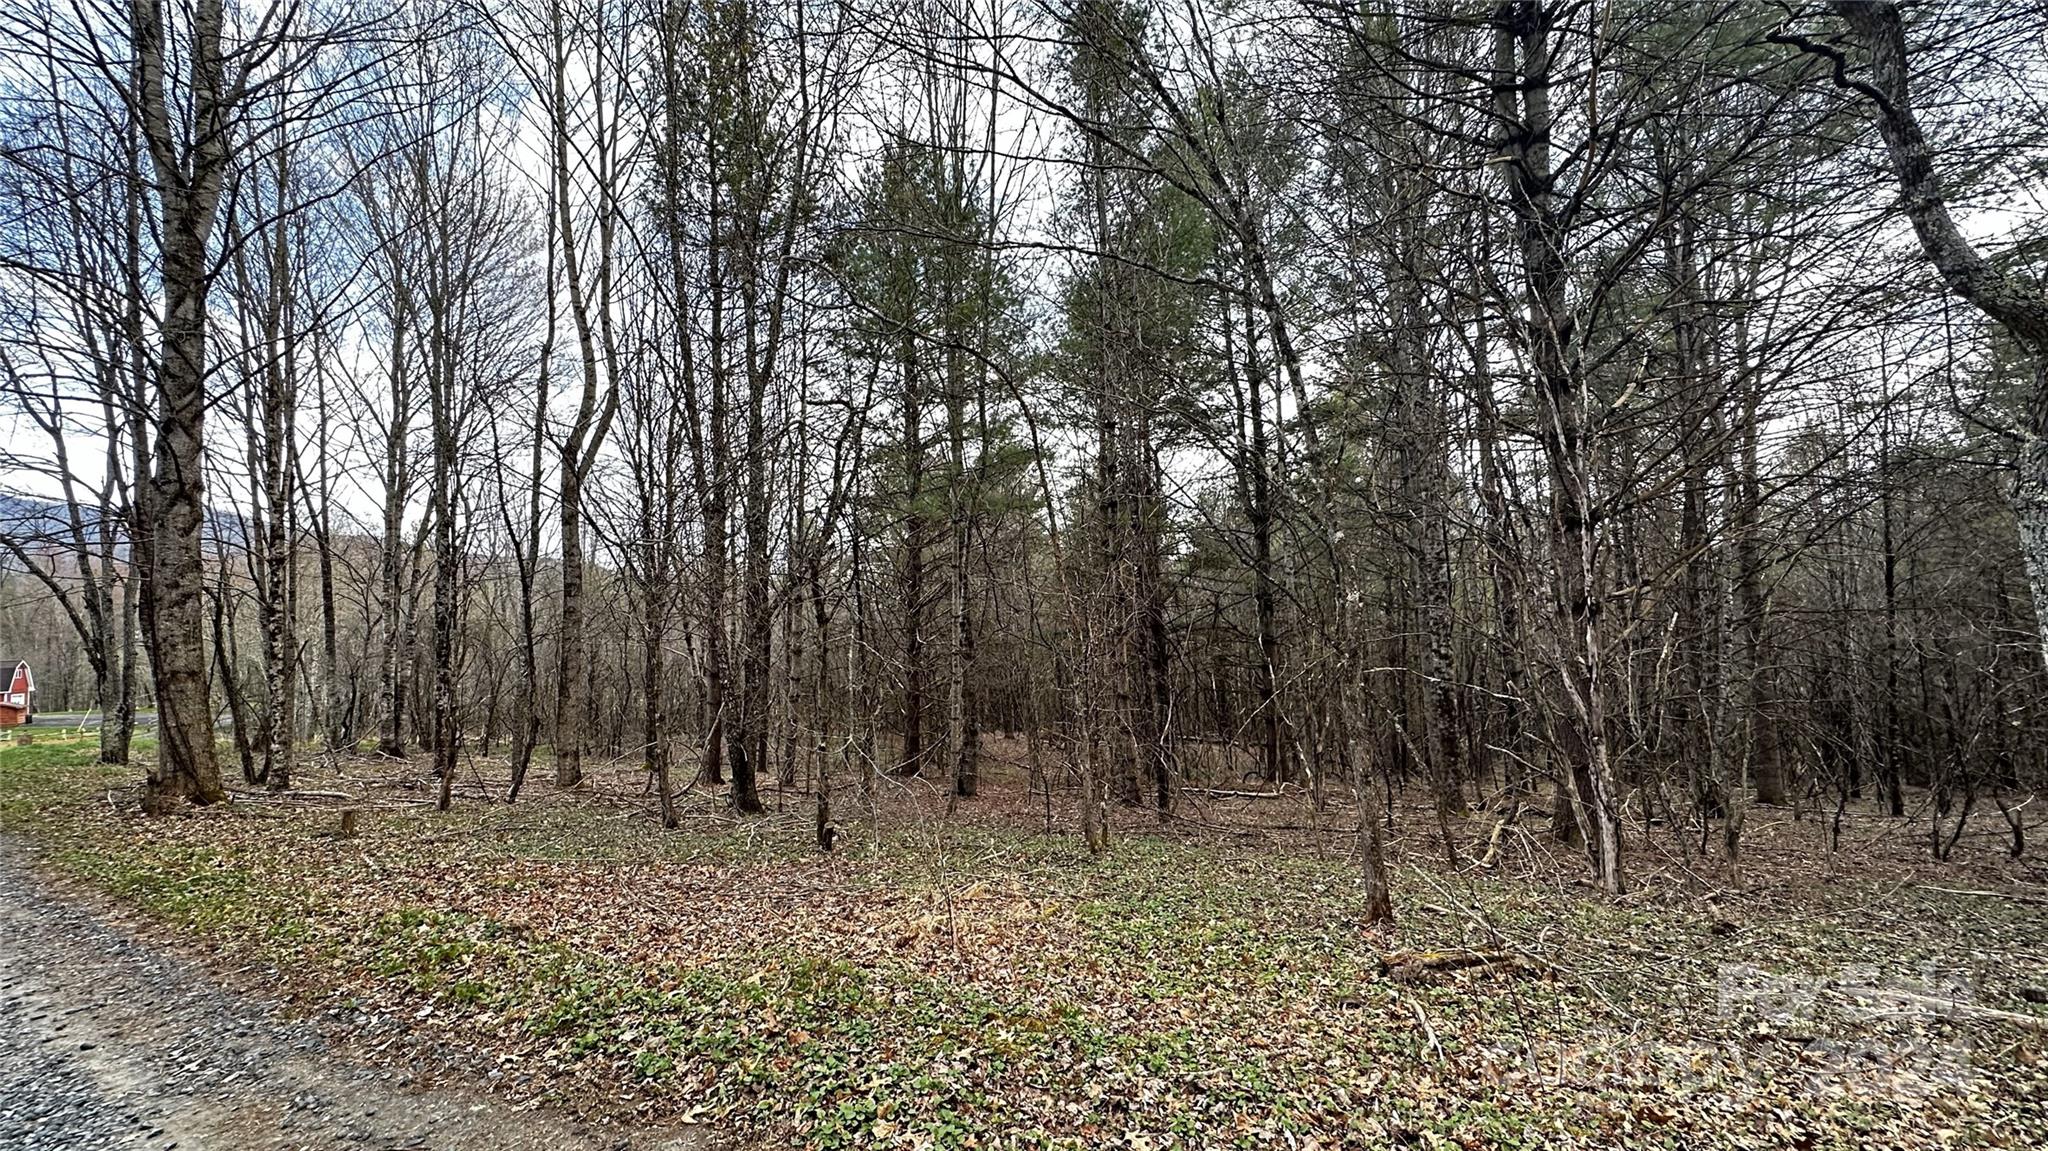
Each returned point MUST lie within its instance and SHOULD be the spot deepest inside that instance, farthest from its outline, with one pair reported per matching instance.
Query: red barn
(18, 702)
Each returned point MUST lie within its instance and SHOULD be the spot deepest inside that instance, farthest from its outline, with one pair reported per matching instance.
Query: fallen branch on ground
(1412, 967)
(2016, 897)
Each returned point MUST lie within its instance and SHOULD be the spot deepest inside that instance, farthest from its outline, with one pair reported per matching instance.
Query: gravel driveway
(107, 1042)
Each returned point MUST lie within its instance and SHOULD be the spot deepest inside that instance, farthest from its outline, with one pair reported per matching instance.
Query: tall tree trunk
(1503, 555)
(1258, 506)
(394, 576)
(133, 479)
(912, 585)
(654, 668)
(1521, 84)
(526, 733)
(747, 750)
(1369, 795)
(572, 696)
(275, 500)
(716, 532)
(187, 185)
(1767, 767)
(1425, 444)
(337, 720)
(590, 307)
(225, 658)
(1150, 593)
(820, 705)
(1889, 781)
(962, 738)
(447, 564)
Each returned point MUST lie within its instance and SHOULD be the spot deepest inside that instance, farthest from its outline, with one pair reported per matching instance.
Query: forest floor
(968, 980)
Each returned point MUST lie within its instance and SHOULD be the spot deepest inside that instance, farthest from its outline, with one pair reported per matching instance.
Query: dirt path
(107, 1042)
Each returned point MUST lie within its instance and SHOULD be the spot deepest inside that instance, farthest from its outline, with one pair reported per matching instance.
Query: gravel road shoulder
(108, 1041)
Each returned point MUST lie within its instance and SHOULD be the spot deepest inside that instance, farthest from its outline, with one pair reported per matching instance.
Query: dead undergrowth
(971, 980)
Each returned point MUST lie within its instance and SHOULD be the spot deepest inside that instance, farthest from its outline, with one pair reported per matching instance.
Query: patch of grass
(57, 770)
(195, 887)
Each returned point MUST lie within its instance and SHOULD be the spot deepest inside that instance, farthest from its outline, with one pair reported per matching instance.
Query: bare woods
(1612, 416)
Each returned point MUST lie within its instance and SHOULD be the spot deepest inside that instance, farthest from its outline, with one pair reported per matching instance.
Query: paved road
(84, 719)
(110, 1044)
